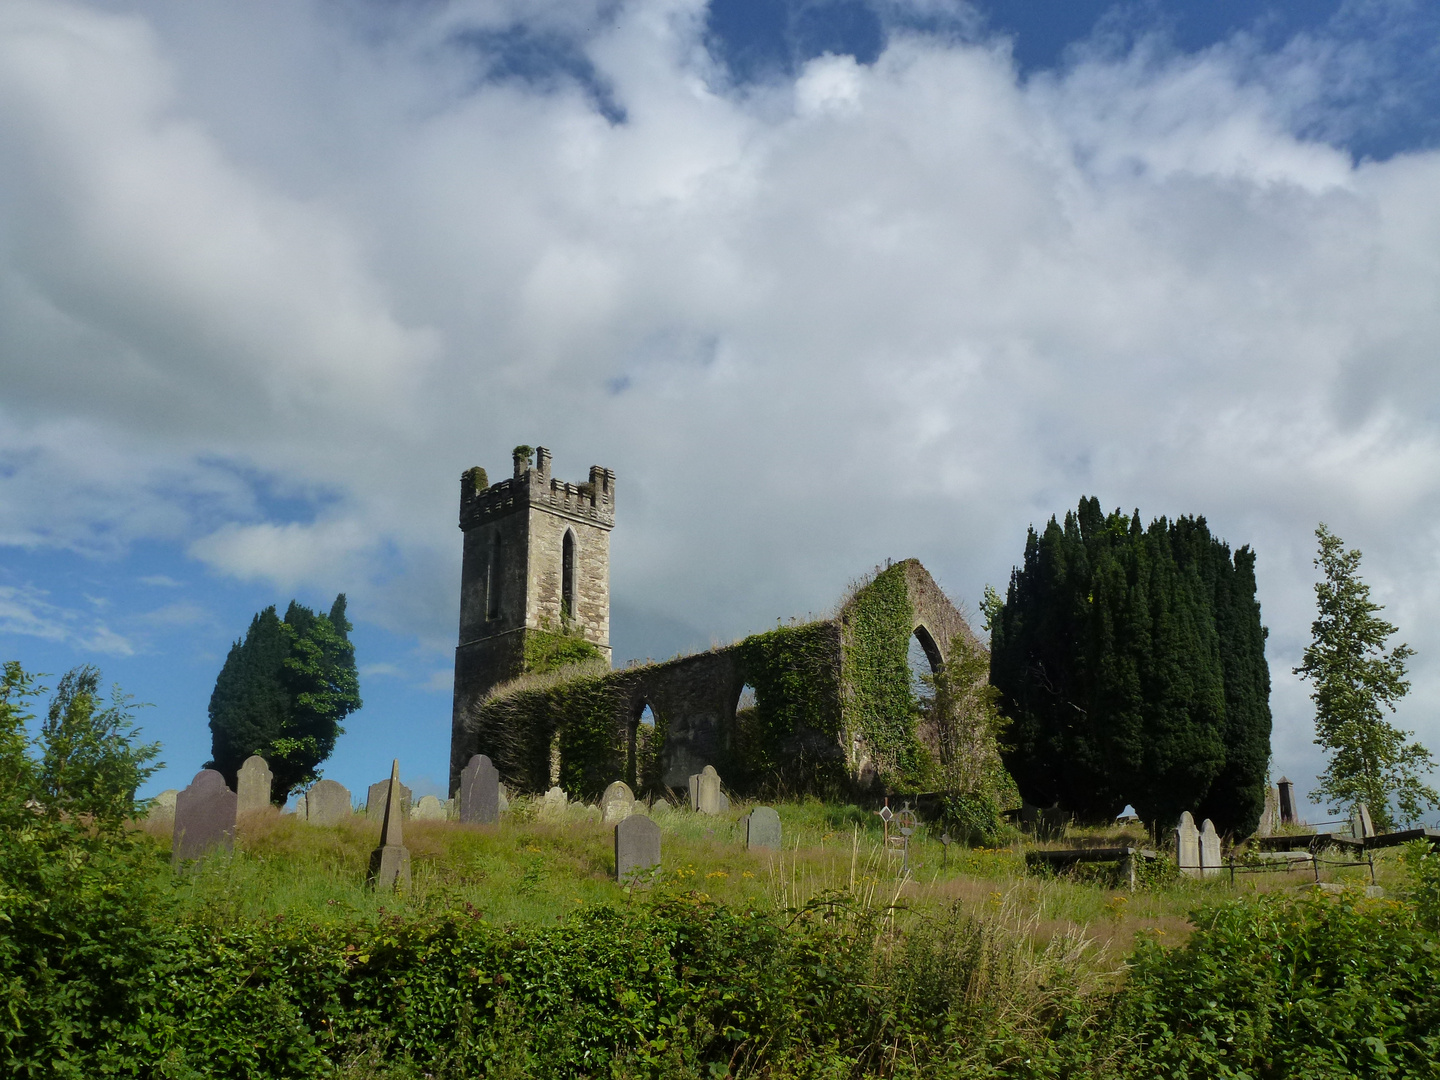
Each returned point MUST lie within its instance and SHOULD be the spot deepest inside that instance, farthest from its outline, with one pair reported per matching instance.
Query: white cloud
(25, 612)
(288, 554)
(890, 310)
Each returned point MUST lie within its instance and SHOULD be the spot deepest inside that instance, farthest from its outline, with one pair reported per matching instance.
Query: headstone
(300, 809)
(162, 808)
(762, 829)
(724, 803)
(504, 799)
(1288, 816)
(1360, 824)
(616, 803)
(204, 817)
(552, 806)
(708, 791)
(375, 799)
(252, 785)
(327, 803)
(637, 846)
(452, 810)
(479, 792)
(1270, 816)
(429, 808)
(390, 862)
(694, 785)
(1210, 862)
(1187, 846)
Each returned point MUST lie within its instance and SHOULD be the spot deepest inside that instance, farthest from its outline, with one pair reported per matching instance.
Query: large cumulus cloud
(904, 308)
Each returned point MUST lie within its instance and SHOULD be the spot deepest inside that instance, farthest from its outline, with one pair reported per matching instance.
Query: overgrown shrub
(1277, 986)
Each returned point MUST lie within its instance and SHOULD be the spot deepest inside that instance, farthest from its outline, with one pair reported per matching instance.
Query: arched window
(492, 582)
(567, 577)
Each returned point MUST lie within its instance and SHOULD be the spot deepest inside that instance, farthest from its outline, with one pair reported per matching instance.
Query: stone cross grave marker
(1187, 846)
(252, 785)
(390, 862)
(708, 788)
(552, 806)
(637, 846)
(162, 809)
(617, 803)
(1288, 816)
(204, 817)
(762, 829)
(1210, 861)
(376, 795)
(327, 803)
(479, 792)
(429, 808)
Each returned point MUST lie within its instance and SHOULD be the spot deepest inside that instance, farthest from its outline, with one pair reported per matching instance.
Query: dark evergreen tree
(283, 693)
(1130, 663)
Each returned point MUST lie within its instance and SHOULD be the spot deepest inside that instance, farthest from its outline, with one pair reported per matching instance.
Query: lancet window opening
(567, 577)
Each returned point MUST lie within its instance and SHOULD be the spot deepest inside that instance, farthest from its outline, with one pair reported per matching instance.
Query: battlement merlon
(592, 502)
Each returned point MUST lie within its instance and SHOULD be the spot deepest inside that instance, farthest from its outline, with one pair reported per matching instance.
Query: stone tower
(537, 558)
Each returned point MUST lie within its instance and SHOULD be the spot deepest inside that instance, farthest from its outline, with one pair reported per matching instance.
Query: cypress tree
(282, 693)
(1130, 663)
(251, 703)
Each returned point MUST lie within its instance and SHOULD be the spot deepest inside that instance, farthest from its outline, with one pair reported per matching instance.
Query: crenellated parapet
(592, 502)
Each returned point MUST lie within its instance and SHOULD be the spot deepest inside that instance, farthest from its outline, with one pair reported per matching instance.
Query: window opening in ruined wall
(746, 700)
(644, 718)
(567, 577)
(492, 582)
(922, 670)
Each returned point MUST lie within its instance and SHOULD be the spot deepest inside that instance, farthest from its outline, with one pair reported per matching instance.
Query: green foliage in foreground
(678, 986)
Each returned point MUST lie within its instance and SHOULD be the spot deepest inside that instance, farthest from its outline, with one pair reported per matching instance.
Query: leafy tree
(282, 694)
(1130, 664)
(84, 941)
(1355, 682)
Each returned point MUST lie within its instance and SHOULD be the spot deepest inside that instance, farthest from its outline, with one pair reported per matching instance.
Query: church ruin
(818, 706)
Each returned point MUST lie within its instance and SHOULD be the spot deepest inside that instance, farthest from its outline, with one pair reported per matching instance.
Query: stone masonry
(536, 557)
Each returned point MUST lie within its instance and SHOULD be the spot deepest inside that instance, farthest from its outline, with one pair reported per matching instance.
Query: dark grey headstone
(375, 799)
(327, 803)
(637, 846)
(479, 792)
(204, 817)
(762, 828)
(252, 785)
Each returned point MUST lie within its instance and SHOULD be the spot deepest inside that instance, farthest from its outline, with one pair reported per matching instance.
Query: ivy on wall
(879, 702)
(549, 650)
(795, 671)
(817, 685)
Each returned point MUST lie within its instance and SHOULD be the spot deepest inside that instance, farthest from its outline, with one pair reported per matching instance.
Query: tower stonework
(536, 558)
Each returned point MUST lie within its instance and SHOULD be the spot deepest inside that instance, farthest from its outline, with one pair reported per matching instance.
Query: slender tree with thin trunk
(1355, 683)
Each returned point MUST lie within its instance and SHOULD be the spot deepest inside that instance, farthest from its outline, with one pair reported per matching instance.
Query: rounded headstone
(762, 828)
(617, 802)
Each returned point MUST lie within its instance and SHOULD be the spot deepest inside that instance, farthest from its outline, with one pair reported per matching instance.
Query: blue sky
(825, 283)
